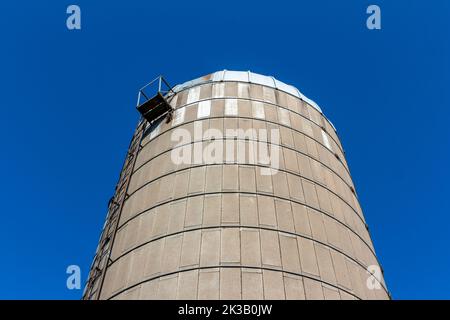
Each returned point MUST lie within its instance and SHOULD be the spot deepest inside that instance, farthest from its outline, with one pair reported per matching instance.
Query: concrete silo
(239, 189)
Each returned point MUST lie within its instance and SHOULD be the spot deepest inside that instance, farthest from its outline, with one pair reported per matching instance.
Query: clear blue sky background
(67, 114)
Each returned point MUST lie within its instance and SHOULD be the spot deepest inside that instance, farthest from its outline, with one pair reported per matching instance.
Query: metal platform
(152, 101)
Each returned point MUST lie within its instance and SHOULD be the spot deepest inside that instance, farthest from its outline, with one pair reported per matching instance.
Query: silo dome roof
(250, 77)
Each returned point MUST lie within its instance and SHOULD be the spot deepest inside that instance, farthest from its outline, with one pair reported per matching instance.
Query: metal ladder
(102, 259)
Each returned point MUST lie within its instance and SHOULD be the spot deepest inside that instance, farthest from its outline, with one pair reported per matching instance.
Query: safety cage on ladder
(152, 101)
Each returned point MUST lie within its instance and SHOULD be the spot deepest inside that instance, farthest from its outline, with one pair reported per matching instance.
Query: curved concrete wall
(223, 229)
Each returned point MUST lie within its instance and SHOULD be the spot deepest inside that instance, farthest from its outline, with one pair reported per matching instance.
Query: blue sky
(68, 97)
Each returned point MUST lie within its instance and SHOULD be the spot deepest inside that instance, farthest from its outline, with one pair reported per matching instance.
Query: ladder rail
(99, 267)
